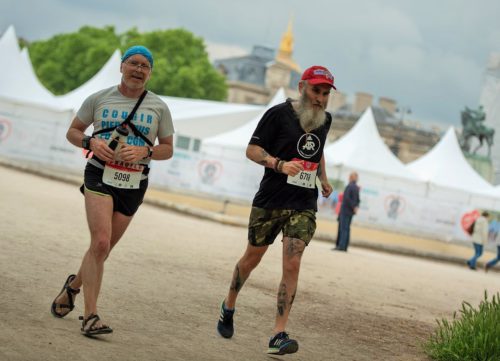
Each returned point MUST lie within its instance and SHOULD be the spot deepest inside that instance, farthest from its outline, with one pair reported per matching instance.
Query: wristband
(275, 168)
(150, 153)
(280, 166)
(86, 142)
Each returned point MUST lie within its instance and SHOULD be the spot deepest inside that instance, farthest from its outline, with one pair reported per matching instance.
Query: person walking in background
(116, 177)
(493, 230)
(494, 239)
(288, 142)
(349, 207)
(479, 238)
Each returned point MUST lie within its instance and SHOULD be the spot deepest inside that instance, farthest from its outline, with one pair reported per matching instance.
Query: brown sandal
(89, 328)
(71, 292)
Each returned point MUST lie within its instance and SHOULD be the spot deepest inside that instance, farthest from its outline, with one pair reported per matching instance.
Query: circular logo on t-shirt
(308, 145)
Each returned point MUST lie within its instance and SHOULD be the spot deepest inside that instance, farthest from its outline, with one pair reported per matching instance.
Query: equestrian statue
(473, 126)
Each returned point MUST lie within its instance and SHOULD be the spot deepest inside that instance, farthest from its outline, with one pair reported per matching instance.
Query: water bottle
(118, 138)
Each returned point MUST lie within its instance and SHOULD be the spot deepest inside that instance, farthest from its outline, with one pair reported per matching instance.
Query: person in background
(479, 238)
(349, 207)
(495, 260)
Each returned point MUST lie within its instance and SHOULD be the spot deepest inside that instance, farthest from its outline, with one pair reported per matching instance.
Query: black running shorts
(125, 201)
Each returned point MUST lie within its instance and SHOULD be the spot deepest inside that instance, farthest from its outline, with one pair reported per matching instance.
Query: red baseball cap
(318, 75)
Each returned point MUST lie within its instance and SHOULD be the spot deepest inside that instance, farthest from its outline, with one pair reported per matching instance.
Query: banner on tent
(39, 140)
(192, 171)
(404, 213)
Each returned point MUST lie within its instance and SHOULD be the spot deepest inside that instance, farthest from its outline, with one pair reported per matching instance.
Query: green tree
(181, 65)
(66, 61)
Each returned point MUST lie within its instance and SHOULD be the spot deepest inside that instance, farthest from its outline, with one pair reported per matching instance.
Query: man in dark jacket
(349, 208)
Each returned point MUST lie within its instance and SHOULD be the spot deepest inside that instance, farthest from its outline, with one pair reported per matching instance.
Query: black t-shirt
(280, 134)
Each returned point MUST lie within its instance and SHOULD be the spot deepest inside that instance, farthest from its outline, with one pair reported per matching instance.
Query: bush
(474, 336)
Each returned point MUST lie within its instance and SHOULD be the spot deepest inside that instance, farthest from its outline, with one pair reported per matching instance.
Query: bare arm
(325, 185)
(76, 132)
(165, 149)
(75, 135)
(259, 155)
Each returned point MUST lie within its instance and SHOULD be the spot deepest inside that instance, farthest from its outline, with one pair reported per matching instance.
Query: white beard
(310, 117)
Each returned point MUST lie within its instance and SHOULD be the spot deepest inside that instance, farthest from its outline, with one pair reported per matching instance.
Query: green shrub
(474, 336)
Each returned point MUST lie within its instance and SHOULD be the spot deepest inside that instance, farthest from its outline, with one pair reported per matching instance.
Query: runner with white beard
(288, 142)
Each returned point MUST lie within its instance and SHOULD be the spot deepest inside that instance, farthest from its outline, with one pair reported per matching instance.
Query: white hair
(310, 118)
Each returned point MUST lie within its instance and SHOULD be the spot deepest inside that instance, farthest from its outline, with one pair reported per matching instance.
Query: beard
(310, 117)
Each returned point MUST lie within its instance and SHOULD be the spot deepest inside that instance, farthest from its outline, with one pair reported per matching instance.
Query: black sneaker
(281, 344)
(225, 324)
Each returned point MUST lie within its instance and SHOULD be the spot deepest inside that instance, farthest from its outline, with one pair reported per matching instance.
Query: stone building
(254, 78)
(407, 140)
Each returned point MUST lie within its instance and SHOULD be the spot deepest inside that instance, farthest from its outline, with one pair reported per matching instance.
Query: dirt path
(165, 280)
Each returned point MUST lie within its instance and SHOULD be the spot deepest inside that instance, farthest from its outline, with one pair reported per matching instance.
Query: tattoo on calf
(282, 299)
(237, 282)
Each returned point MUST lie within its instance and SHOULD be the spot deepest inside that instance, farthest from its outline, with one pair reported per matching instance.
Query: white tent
(363, 149)
(190, 169)
(446, 166)
(205, 118)
(391, 196)
(19, 82)
(107, 76)
(451, 177)
(221, 168)
(233, 143)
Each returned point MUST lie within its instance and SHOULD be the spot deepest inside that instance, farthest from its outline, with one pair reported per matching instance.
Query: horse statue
(472, 126)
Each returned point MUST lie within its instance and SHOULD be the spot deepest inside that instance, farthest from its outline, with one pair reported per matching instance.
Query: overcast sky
(427, 55)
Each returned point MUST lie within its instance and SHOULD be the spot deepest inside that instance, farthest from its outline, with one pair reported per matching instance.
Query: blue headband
(138, 49)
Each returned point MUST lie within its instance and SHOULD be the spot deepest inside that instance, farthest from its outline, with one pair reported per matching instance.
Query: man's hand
(101, 150)
(326, 189)
(292, 167)
(132, 153)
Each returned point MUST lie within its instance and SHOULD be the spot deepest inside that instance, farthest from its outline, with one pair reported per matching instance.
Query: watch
(150, 153)
(86, 142)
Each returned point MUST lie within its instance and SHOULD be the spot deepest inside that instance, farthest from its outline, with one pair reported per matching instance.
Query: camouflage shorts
(265, 225)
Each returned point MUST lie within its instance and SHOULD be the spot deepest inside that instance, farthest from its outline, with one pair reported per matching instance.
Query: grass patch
(472, 335)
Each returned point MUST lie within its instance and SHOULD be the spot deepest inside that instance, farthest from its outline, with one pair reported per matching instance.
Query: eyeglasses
(136, 64)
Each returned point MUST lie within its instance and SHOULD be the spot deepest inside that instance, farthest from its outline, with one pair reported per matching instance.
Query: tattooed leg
(292, 253)
(282, 299)
(237, 281)
(242, 271)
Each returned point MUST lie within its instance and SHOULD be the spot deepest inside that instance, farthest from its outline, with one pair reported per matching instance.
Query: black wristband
(150, 153)
(86, 142)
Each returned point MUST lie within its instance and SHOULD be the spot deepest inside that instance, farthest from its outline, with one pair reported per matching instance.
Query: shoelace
(280, 338)
(226, 315)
